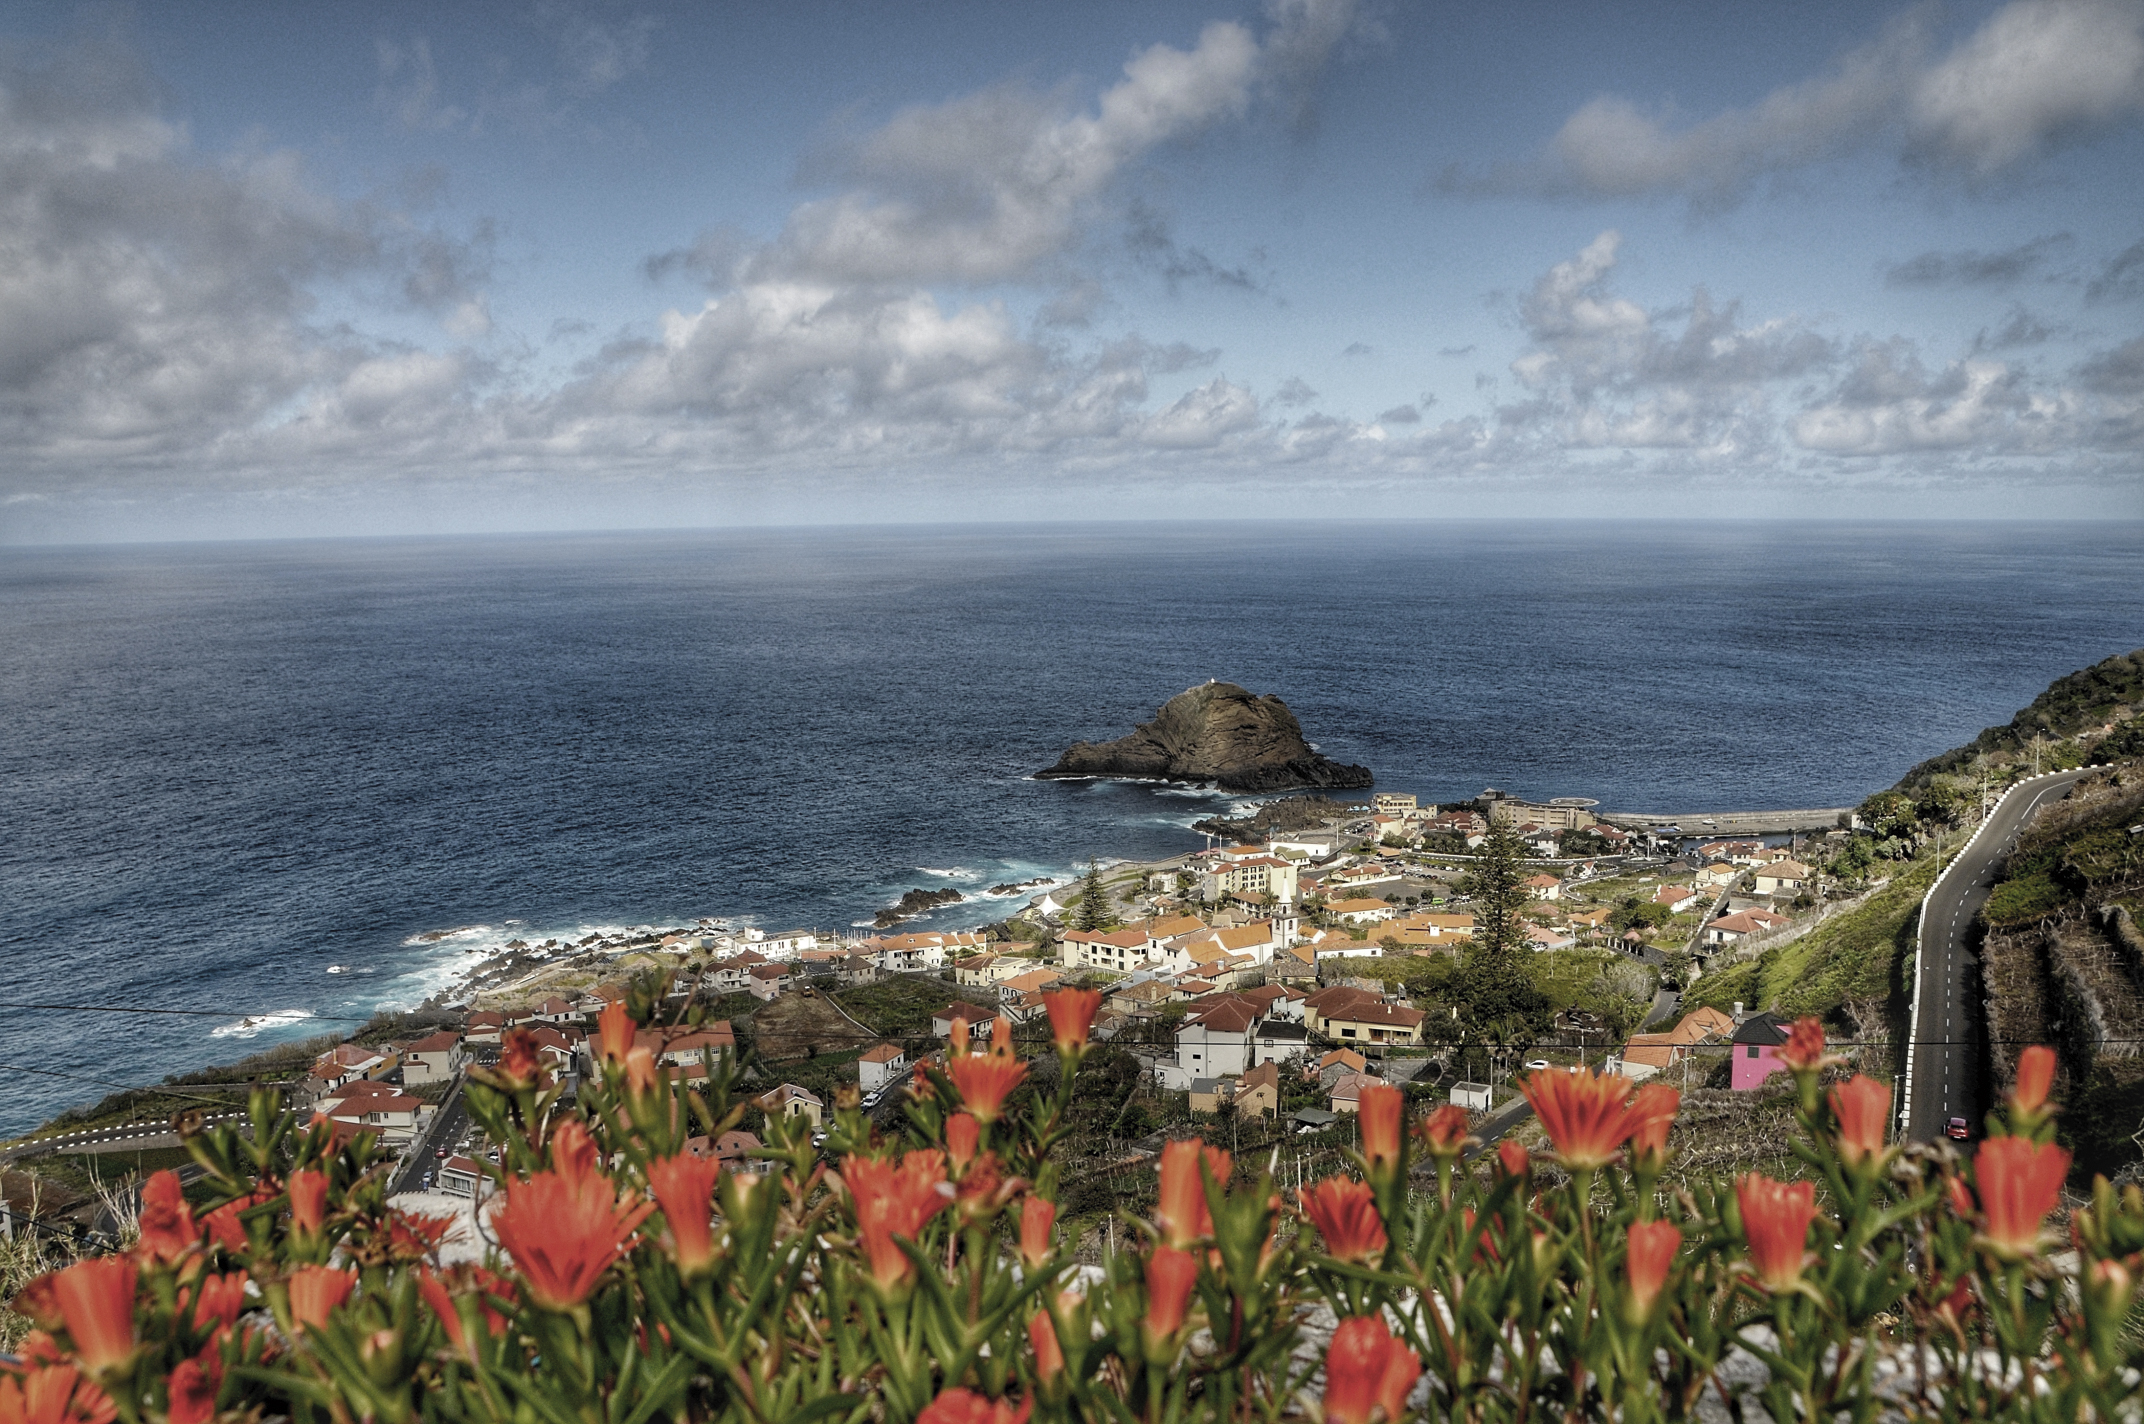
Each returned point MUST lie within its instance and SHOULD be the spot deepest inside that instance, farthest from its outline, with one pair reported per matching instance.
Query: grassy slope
(1858, 956)
(2079, 702)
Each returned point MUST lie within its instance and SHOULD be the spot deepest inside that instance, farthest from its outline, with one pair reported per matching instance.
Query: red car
(1958, 1129)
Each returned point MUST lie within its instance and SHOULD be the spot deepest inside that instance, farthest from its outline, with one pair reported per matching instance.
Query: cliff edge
(1218, 733)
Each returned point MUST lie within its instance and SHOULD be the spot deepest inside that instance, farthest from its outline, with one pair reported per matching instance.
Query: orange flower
(1587, 1115)
(441, 1299)
(893, 1202)
(520, 1062)
(1775, 1221)
(2020, 1182)
(218, 1300)
(1652, 1113)
(2035, 1075)
(1345, 1213)
(1170, 1277)
(573, 1152)
(1072, 1014)
(96, 1298)
(1863, 1109)
(1445, 1130)
(192, 1394)
(684, 1187)
(315, 1291)
(40, 1303)
(564, 1231)
(1037, 1216)
(963, 1406)
(1652, 1251)
(1961, 1199)
(1366, 1370)
(412, 1237)
(308, 1200)
(1804, 1049)
(1042, 1339)
(224, 1227)
(984, 1079)
(963, 1134)
(52, 1393)
(640, 1072)
(614, 1032)
(167, 1223)
(1380, 1112)
(1182, 1213)
(1513, 1158)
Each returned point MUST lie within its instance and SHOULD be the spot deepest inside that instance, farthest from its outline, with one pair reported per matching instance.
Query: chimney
(1738, 1011)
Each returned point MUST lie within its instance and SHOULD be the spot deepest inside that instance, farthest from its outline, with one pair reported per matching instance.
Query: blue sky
(307, 269)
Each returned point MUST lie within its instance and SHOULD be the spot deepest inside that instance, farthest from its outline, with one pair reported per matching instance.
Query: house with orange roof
(1784, 877)
(768, 981)
(1544, 887)
(1121, 951)
(1361, 911)
(432, 1059)
(880, 1065)
(789, 1100)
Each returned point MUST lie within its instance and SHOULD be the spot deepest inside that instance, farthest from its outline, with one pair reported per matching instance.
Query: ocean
(228, 767)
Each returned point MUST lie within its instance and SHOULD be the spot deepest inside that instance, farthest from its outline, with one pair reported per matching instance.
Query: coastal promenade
(1734, 823)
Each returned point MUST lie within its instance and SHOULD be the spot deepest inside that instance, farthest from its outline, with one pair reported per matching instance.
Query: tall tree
(1497, 991)
(1092, 910)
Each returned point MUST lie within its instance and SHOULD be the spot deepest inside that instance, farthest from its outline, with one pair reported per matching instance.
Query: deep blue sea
(226, 767)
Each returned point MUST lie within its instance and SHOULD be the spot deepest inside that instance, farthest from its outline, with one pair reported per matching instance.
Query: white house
(432, 1059)
(884, 1064)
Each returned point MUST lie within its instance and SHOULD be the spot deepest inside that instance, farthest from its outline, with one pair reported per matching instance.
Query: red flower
(218, 1300)
(1037, 1216)
(614, 1032)
(894, 1202)
(1345, 1213)
(520, 1061)
(963, 1406)
(1652, 1113)
(963, 1134)
(441, 1299)
(1182, 1213)
(1042, 1339)
(1587, 1115)
(573, 1152)
(2020, 1182)
(308, 1200)
(1804, 1050)
(1863, 1109)
(1961, 1199)
(52, 1393)
(1445, 1130)
(1072, 1014)
(640, 1074)
(564, 1228)
(413, 1237)
(1652, 1251)
(1170, 1276)
(192, 1394)
(984, 1079)
(315, 1291)
(1367, 1370)
(1380, 1112)
(684, 1188)
(2035, 1075)
(1513, 1159)
(96, 1298)
(40, 1303)
(1775, 1221)
(167, 1223)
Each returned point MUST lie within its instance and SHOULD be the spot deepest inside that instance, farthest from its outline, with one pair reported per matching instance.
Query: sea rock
(1218, 733)
(914, 903)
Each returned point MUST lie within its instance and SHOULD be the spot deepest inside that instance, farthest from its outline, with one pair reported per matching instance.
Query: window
(1753, 1050)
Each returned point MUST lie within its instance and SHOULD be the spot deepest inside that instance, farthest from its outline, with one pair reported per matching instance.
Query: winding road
(1944, 1074)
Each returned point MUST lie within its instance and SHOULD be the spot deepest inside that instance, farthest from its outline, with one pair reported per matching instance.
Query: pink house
(1756, 1050)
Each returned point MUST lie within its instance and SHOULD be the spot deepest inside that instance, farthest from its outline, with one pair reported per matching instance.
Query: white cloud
(2037, 75)
(1203, 418)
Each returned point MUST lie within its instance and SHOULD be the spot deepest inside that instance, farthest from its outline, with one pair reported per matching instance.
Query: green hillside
(2089, 711)
(1852, 970)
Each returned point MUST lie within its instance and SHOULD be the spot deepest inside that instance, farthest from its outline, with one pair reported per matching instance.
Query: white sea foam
(955, 873)
(262, 1023)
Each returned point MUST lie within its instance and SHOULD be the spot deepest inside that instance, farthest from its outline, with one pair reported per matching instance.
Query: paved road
(126, 1137)
(1949, 1024)
(446, 1129)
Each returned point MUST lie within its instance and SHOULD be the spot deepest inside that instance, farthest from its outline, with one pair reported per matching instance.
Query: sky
(310, 269)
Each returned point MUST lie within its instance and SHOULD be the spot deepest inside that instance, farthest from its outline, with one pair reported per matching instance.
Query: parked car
(1535, 1065)
(439, 1152)
(1958, 1129)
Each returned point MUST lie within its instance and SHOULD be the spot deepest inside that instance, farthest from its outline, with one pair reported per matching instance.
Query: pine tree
(1497, 988)
(1093, 906)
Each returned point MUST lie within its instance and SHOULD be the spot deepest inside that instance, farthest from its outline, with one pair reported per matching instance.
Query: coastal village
(1268, 978)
